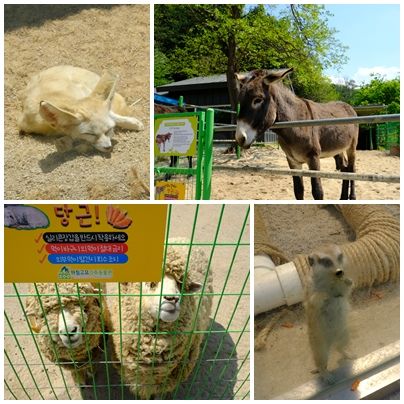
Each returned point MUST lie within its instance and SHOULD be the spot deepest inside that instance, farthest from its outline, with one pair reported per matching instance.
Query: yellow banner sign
(83, 243)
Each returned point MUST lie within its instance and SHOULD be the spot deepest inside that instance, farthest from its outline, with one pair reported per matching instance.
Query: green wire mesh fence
(221, 368)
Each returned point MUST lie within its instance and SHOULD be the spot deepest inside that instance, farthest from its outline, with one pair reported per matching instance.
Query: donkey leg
(341, 165)
(340, 161)
(316, 187)
(351, 169)
(345, 186)
(298, 186)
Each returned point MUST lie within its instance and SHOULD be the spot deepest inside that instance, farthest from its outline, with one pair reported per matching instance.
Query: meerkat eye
(340, 258)
(325, 262)
(339, 273)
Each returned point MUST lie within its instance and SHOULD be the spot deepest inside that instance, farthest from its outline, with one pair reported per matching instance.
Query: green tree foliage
(346, 91)
(201, 40)
(379, 91)
(162, 68)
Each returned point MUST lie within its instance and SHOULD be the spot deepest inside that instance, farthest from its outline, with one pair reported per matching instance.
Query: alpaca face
(164, 301)
(71, 323)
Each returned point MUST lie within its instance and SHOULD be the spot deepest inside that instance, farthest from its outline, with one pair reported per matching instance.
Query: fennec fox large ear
(57, 116)
(105, 88)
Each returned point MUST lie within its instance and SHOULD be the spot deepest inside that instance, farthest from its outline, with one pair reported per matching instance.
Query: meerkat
(327, 307)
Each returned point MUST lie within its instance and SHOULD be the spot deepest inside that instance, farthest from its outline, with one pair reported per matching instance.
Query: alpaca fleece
(55, 351)
(159, 355)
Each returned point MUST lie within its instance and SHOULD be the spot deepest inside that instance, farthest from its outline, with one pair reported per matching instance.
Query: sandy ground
(252, 185)
(224, 369)
(285, 361)
(96, 38)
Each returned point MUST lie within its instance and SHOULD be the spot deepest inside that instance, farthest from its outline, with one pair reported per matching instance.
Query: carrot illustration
(123, 224)
(120, 216)
(109, 213)
(114, 215)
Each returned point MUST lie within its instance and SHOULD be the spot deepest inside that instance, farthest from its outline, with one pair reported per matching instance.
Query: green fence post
(201, 143)
(180, 101)
(208, 160)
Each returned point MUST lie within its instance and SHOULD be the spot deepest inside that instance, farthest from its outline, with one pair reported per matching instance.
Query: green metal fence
(387, 135)
(198, 179)
(222, 369)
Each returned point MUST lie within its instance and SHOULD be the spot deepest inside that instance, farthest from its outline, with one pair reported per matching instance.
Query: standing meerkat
(327, 306)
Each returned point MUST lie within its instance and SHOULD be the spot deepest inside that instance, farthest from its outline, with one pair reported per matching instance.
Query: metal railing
(323, 122)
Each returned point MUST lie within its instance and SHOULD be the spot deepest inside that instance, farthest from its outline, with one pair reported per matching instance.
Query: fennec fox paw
(136, 124)
(83, 148)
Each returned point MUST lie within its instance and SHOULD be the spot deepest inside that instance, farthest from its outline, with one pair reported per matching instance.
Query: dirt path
(96, 38)
(285, 361)
(251, 185)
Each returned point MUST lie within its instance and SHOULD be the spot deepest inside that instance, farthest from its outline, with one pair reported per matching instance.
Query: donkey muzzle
(245, 135)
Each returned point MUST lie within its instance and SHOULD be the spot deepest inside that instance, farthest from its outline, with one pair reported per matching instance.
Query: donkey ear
(276, 75)
(57, 116)
(105, 88)
(241, 79)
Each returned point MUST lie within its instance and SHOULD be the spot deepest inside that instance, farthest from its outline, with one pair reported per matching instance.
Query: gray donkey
(264, 100)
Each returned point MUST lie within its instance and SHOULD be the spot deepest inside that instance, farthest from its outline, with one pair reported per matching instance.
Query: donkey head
(258, 109)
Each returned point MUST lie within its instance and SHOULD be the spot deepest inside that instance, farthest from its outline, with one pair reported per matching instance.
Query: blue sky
(372, 32)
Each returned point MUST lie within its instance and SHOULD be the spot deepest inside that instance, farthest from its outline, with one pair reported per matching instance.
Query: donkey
(264, 100)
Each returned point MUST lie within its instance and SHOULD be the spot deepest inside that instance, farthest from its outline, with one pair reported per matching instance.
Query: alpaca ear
(195, 287)
(33, 324)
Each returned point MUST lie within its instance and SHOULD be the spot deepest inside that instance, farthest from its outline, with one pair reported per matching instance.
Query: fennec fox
(75, 103)
(327, 306)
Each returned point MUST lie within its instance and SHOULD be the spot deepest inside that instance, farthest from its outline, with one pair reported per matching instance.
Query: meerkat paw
(327, 377)
(347, 355)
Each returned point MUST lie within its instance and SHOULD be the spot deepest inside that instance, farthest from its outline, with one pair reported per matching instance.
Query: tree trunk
(232, 62)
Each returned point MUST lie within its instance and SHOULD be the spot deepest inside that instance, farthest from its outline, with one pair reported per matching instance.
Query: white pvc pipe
(275, 286)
